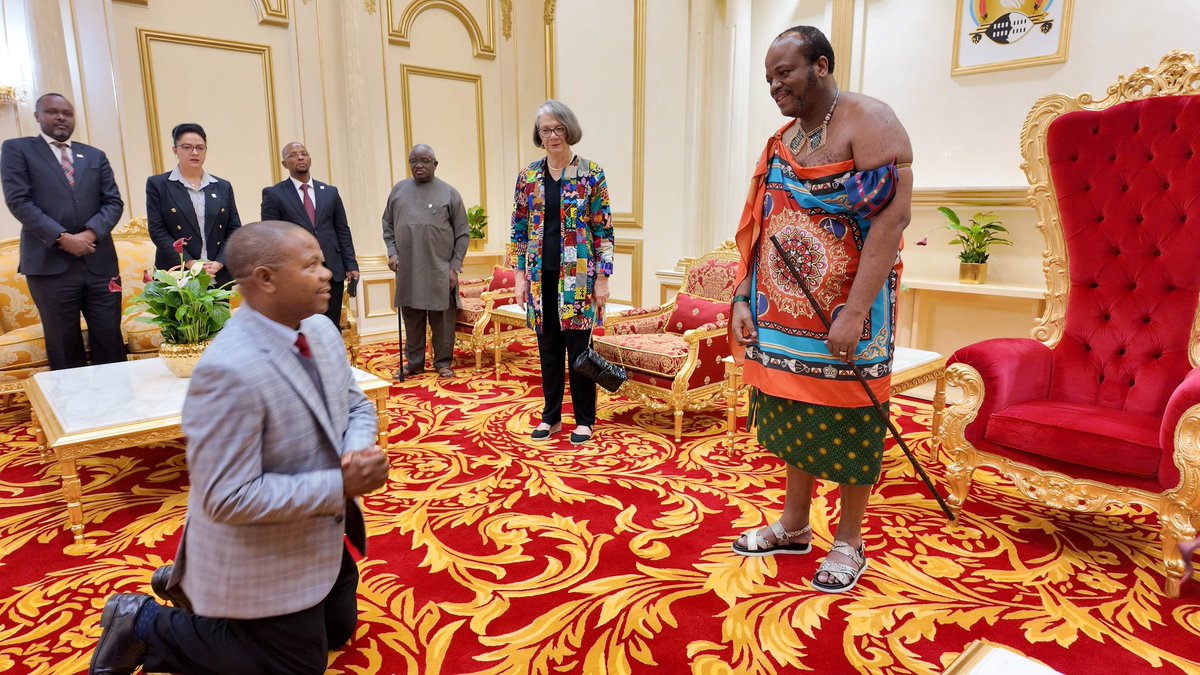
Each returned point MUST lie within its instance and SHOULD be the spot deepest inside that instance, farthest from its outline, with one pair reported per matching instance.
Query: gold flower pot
(972, 273)
(181, 359)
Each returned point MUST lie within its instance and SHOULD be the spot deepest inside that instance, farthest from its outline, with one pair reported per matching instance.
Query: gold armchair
(1102, 406)
(673, 353)
(479, 298)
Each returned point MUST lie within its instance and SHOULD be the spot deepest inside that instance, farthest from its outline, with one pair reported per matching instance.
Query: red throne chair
(1102, 406)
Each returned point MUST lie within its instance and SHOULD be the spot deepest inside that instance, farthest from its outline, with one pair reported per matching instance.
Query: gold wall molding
(633, 249)
(1009, 197)
(548, 13)
(271, 12)
(146, 40)
(483, 42)
(369, 291)
(506, 18)
(139, 3)
(407, 72)
(842, 39)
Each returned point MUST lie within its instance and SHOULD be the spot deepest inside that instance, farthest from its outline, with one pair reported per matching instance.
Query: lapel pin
(321, 187)
(214, 195)
(79, 155)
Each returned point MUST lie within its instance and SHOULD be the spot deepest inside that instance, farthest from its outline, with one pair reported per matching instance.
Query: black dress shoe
(174, 595)
(119, 652)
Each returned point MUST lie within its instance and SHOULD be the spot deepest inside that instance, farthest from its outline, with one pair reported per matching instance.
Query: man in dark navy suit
(67, 202)
(317, 207)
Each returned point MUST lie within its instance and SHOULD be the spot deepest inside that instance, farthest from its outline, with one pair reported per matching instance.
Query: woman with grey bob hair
(563, 235)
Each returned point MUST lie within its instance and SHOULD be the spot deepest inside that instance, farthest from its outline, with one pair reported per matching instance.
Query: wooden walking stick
(863, 381)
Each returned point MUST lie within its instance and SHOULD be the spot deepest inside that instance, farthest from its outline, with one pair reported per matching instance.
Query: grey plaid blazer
(266, 511)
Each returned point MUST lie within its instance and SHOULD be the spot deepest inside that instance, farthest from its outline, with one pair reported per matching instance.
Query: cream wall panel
(245, 107)
(443, 109)
(600, 90)
(172, 64)
(466, 123)
(965, 129)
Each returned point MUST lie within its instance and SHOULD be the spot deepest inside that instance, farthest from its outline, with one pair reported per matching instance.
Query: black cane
(862, 380)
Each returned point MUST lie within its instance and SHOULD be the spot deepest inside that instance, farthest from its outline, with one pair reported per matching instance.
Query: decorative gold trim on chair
(1179, 509)
(1176, 75)
(678, 398)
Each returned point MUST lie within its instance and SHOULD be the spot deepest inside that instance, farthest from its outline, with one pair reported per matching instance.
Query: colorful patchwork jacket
(587, 240)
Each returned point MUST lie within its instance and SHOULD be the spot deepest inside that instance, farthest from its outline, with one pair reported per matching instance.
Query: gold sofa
(22, 350)
(674, 353)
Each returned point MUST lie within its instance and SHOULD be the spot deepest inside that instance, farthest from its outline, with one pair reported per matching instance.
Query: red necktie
(302, 345)
(309, 208)
(64, 158)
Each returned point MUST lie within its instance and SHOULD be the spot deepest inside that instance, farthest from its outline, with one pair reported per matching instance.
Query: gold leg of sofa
(678, 424)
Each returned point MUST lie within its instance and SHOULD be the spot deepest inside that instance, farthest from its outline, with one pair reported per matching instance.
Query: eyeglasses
(547, 132)
(189, 149)
(420, 160)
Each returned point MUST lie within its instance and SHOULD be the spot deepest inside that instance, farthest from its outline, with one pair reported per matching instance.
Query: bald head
(811, 42)
(265, 244)
(422, 163)
(296, 160)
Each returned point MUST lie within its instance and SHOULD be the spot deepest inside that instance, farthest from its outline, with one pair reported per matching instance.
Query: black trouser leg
(551, 347)
(102, 312)
(336, 288)
(59, 299)
(293, 644)
(583, 390)
(414, 337)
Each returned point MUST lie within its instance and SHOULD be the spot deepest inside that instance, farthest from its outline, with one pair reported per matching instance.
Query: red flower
(114, 284)
(179, 244)
(924, 242)
(147, 277)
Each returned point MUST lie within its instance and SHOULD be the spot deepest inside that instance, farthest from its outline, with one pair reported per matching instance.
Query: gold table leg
(40, 435)
(731, 402)
(496, 349)
(73, 494)
(939, 407)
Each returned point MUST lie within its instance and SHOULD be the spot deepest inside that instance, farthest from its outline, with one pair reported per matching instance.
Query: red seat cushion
(1086, 435)
(661, 354)
(502, 278)
(471, 310)
(692, 312)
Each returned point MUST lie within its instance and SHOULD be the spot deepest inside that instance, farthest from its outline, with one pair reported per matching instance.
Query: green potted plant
(187, 307)
(477, 225)
(984, 231)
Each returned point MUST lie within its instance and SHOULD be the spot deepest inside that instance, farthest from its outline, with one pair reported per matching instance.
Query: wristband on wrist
(740, 298)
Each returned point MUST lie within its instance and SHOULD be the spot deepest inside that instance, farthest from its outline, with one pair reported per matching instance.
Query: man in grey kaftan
(425, 230)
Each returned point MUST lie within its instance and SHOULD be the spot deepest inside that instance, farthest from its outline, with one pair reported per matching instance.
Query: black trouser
(552, 343)
(292, 644)
(60, 298)
(335, 302)
(441, 324)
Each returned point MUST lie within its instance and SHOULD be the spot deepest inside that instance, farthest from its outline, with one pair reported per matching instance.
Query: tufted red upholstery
(1127, 180)
(1129, 199)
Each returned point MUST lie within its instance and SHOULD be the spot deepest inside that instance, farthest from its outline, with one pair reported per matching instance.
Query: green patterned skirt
(844, 445)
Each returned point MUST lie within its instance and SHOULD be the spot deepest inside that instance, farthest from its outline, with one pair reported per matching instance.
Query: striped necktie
(64, 158)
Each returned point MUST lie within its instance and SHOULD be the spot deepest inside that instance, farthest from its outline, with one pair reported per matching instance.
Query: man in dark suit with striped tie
(317, 207)
(67, 202)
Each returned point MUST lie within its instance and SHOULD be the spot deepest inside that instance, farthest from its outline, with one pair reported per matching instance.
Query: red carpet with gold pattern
(493, 554)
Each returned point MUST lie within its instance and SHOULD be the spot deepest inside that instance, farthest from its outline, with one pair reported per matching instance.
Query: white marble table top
(515, 311)
(123, 394)
(904, 359)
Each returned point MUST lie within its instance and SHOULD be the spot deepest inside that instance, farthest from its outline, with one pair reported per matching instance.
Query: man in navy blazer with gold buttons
(67, 202)
(317, 207)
